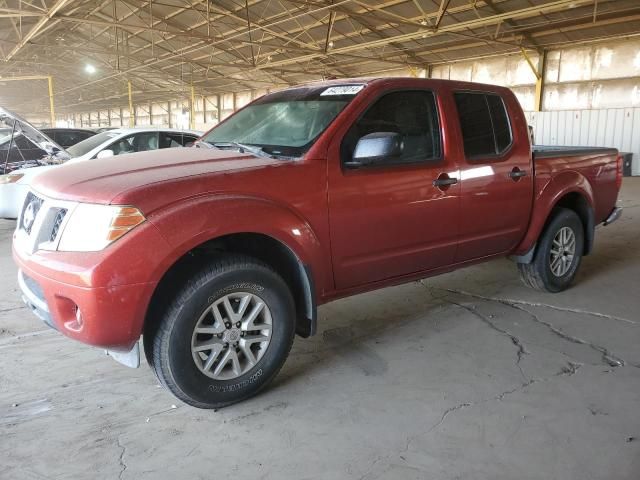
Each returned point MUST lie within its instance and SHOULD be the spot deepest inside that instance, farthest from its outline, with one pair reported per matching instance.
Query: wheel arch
(567, 190)
(266, 248)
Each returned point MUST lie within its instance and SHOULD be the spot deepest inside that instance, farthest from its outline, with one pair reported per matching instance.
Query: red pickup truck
(218, 254)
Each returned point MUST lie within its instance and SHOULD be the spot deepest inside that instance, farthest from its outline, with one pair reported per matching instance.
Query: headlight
(92, 227)
(10, 178)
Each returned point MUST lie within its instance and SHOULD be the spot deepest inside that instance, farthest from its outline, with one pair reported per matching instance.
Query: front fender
(547, 198)
(191, 223)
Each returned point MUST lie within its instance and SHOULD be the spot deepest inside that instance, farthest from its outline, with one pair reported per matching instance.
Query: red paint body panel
(495, 208)
(355, 230)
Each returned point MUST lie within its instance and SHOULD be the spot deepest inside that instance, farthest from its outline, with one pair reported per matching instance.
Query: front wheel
(558, 254)
(226, 335)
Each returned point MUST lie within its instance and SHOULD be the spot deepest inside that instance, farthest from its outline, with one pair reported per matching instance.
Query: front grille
(56, 223)
(30, 210)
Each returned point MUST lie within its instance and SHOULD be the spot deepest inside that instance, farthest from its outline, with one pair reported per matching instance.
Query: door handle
(444, 182)
(516, 174)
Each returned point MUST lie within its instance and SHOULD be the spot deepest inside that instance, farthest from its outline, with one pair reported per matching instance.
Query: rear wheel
(558, 253)
(226, 335)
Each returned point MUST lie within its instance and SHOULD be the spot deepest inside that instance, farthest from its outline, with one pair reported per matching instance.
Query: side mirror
(376, 148)
(105, 154)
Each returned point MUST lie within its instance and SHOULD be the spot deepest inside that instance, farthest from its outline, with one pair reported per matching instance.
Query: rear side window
(484, 123)
(175, 139)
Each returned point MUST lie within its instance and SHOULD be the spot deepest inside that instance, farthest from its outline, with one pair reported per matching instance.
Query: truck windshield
(284, 123)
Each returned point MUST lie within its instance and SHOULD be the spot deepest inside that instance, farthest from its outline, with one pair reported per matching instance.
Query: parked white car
(14, 185)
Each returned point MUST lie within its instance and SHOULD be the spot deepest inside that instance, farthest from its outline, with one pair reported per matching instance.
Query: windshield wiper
(257, 151)
(202, 144)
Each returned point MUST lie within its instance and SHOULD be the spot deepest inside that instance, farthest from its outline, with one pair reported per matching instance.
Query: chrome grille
(41, 223)
(57, 221)
(30, 210)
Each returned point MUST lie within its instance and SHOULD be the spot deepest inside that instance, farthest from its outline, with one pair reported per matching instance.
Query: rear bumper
(613, 216)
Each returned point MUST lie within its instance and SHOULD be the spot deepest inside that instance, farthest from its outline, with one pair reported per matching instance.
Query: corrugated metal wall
(608, 127)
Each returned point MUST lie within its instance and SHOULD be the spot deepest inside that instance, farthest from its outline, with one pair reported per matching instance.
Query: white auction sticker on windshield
(343, 90)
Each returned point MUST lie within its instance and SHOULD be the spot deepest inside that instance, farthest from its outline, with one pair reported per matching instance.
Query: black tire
(170, 345)
(538, 273)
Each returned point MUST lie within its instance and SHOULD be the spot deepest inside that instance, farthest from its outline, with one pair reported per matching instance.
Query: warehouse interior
(465, 375)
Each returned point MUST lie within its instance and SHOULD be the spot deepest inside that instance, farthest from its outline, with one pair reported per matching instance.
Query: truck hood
(147, 180)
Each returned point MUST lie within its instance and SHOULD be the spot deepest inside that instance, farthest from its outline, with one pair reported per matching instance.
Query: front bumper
(33, 297)
(98, 298)
(12, 197)
(103, 317)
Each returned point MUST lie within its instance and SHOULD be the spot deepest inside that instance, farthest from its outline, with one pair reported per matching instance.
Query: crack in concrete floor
(123, 465)
(520, 349)
(512, 302)
(608, 357)
(568, 370)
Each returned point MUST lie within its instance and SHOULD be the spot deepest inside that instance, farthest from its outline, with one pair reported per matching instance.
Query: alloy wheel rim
(231, 336)
(563, 252)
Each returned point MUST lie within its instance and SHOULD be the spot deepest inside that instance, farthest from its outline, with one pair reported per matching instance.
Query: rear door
(495, 175)
(390, 220)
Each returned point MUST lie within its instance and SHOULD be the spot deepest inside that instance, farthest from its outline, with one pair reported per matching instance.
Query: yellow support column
(192, 120)
(132, 119)
(542, 66)
(539, 72)
(52, 111)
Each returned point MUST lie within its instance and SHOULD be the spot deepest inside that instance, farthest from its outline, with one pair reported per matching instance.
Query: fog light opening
(78, 317)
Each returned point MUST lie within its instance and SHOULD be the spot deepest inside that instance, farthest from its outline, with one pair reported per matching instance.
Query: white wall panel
(613, 127)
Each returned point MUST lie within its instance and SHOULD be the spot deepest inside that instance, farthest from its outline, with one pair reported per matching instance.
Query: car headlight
(10, 178)
(92, 227)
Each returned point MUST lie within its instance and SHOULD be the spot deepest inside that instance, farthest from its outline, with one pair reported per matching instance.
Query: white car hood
(19, 126)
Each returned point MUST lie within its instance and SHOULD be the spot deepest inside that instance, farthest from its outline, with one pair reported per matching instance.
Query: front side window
(139, 142)
(68, 139)
(484, 123)
(143, 142)
(410, 114)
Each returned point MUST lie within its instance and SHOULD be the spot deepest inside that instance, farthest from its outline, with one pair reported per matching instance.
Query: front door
(389, 219)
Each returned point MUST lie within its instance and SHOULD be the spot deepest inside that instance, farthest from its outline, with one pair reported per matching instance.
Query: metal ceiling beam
(187, 49)
(471, 24)
(37, 27)
(444, 4)
(475, 23)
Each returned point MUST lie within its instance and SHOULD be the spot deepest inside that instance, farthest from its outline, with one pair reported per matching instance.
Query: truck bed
(596, 164)
(549, 151)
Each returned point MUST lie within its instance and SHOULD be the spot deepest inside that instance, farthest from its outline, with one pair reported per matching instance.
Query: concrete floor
(468, 375)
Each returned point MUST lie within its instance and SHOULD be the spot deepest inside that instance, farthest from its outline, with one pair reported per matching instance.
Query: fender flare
(563, 184)
(196, 221)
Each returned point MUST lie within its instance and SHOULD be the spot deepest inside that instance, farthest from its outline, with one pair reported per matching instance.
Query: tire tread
(160, 353)
(531, 274)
